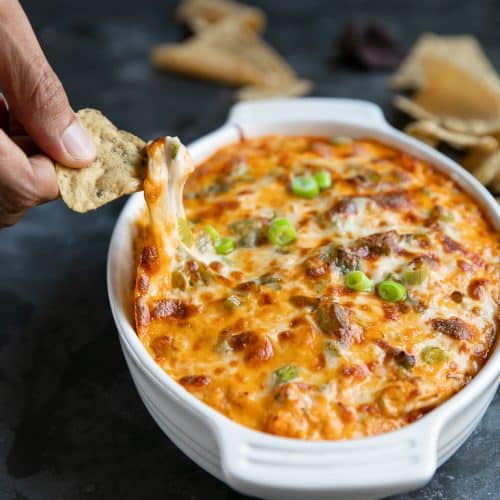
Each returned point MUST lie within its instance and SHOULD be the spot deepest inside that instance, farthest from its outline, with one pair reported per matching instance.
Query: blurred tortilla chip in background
(432, 130)
(227, 48)
(456, 101)
(462, 49)
(199, 14)
(485, 165)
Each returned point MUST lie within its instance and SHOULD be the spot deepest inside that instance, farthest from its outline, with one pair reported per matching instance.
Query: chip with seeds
(119, 167)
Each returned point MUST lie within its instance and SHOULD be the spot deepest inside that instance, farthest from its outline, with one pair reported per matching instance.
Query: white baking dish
(273, 467)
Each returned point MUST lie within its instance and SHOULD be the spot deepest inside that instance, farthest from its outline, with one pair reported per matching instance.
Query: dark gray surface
(71, 424)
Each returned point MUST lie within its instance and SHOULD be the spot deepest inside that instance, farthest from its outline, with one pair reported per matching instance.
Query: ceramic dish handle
(380, 466)
(308, 108)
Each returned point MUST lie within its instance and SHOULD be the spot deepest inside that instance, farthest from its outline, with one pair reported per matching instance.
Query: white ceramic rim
(417, 441)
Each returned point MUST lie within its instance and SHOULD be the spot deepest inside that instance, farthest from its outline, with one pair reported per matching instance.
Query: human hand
(37, 123)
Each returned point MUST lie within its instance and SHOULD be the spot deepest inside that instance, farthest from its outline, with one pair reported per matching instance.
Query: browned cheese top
(271, 335)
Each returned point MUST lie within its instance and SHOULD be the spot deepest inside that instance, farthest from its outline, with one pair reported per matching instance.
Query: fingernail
(78, 143)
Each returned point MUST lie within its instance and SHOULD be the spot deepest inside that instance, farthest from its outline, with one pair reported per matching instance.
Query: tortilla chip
(471, 127)
(457, 140)
(200, 14)
(409, 107)
(226, 52)
(430, 141)
(451, 91)
(464, 50)
(494, 185)
(292, 89)
(119, 167)
(483, 166)
(454, 96)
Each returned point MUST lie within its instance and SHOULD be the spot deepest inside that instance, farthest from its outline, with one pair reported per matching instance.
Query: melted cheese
(361, 371)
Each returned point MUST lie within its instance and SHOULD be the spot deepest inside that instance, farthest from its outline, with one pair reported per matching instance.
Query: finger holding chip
(118, 169)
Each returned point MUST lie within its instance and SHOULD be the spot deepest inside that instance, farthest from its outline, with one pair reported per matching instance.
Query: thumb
(36, 96)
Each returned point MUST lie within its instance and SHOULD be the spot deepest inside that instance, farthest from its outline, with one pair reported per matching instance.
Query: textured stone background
(71, 424)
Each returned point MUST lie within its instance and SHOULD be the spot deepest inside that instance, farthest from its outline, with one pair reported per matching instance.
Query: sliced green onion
(223, 246)
(305, 186)
(359, 281)
(433, 355)
(232, 302)
(415, 276)
(211, 231)
(323, 179)
(281, 232)
(284, 374)
(391, 291)
(184, 232)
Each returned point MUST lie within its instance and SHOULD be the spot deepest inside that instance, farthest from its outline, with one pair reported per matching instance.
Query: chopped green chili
(175, 149)
(284, 374)
(268, 278)
(185, 232)
(251, 232)
(433, 355)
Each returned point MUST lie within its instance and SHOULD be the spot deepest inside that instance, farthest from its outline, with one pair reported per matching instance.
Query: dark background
(71, 423)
